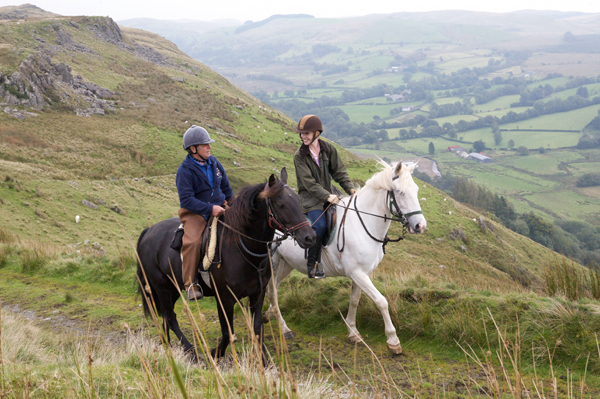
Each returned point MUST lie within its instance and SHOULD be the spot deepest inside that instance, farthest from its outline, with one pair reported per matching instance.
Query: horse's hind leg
(283, 270)
(365, 283)
(354, 335)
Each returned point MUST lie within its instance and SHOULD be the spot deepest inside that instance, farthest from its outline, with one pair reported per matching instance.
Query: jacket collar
(304, 150)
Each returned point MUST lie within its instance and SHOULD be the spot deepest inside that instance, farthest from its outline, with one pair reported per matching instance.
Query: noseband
(275, 224)
(395, 209)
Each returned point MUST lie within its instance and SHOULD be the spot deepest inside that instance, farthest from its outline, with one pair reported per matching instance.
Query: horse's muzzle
(419, 228)
(306, 240)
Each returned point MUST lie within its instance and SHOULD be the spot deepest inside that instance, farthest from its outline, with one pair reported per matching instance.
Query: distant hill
(168, 28)
(24, 11)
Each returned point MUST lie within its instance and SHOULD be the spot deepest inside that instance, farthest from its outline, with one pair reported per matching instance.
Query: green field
(365, 113)
(581, 168)
(543, 164)
(503, 180)
(576, 119)
(497, 103)
(502, 112)
(527, 139)
(455, 118)
(593, 91)
(448, 100)
(455, 65)
(567, 204)
(552, 82)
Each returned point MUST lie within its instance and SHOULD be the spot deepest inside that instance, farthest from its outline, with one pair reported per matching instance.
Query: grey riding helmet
(196, 135)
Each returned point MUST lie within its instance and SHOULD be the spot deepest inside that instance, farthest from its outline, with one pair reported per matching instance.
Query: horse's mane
(384, 178)
(239, 215)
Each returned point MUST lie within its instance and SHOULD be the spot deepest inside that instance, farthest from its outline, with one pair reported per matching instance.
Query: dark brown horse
(244, 271)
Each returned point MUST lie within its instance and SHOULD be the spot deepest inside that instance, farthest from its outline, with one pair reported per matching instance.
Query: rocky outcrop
(38, 82)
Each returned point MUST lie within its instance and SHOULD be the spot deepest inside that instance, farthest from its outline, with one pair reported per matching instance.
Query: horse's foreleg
(365, 283)
(351, 318)
(283, 270)
(257, 323)
(225, 308)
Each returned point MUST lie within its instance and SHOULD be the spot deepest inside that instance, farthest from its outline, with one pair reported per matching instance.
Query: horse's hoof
(213, 353)
(265, 319)
(289, 335)
(191, 355)
(395, 349)
(355, 339)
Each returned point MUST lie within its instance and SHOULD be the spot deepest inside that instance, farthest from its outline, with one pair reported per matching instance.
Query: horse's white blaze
(361, 254)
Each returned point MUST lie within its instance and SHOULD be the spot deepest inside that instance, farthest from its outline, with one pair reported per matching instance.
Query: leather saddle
(331, 219)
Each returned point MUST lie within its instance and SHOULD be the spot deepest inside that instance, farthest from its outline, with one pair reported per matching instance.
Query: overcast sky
(256, 10)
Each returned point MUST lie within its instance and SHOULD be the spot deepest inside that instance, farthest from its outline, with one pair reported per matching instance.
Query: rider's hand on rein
(333, 199)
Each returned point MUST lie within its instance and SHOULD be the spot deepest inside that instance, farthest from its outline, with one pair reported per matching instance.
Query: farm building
(456, 149)
(480, 157)
(407, 108)
(396, 97)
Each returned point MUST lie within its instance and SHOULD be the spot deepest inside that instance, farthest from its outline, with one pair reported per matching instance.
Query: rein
(275, 224)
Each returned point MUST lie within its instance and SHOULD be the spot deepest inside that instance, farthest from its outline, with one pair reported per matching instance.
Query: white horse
(363, 244)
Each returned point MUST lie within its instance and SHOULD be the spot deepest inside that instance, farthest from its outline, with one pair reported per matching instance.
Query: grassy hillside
(79, 277)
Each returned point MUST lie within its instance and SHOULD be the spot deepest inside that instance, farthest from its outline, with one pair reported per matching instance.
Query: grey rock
(235, 113)
(177, 79)
(272, 159)
(463, 248)
(236, 163)
(440, 239)
(89, 204)
(63, 38)
(115, 208)
(26, 203)
(236, 150)
(64, 72)
(239, 107)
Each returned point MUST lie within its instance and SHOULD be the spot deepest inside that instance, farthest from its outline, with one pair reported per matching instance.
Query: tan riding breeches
(194, 226)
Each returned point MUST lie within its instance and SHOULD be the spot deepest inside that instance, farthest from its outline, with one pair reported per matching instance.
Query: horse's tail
(141, 277)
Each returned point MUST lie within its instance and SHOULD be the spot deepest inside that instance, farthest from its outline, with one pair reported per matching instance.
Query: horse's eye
(281, 206)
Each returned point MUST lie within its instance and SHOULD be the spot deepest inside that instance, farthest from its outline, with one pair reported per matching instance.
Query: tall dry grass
(506, 377)
(570, 279)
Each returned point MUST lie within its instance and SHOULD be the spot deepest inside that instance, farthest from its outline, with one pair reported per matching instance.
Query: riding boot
(313, 259)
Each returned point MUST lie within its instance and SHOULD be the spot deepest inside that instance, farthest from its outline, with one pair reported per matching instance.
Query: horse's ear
(272, 180)
(398, 168)
(284, 175)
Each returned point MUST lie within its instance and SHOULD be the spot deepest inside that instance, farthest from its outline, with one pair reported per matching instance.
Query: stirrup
(196, 298)
(314, 272)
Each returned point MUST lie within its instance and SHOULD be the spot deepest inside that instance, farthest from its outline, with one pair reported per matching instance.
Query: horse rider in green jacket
(316, 162)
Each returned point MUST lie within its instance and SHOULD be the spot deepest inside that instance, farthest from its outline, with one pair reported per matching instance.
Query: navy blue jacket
(195, 193)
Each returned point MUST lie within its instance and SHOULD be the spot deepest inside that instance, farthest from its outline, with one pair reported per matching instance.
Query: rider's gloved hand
(352, 191)
(217, 210)
(333, 199)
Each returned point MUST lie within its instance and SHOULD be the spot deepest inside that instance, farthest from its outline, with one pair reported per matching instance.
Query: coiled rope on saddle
(212, 244)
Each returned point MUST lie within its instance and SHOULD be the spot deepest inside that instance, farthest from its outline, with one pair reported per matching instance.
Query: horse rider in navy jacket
(204, 190)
